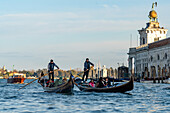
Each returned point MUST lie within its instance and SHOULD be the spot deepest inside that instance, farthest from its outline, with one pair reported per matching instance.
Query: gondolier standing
(87, 64)
(51, 70)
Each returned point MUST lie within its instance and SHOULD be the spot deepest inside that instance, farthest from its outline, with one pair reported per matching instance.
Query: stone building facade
(152, 58)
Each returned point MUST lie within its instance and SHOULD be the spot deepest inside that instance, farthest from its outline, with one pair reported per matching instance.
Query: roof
(156, 44)
(122, 67)
(159, 43)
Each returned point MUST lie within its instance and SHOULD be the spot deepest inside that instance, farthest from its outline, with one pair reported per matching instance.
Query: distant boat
(16, 78)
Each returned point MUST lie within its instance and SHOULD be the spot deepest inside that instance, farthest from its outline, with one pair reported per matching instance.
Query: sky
(34, 31)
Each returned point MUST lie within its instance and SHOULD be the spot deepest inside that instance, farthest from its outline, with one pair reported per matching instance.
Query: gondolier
(51, 66)
(87, 64)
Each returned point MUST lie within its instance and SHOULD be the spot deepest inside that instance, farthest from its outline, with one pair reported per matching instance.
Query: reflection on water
(144, 98)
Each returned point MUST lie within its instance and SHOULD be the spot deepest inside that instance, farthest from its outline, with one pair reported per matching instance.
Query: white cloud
(105, 6)
(116, 7)
(29, 30)
(21, 24)
(41, 15)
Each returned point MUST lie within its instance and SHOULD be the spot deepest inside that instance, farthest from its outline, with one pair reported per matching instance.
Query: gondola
(122, 88)
(63, 88)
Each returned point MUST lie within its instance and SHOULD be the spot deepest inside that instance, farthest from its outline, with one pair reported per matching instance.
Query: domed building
(151, 60)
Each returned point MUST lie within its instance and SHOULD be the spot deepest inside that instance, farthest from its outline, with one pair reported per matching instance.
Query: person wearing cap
(51, 66)
(87, 64)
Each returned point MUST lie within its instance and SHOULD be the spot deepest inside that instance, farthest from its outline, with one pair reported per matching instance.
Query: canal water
(144, 98)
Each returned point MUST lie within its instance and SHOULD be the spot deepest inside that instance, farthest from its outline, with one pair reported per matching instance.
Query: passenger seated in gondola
(91, 83)
(58, 81)
(64, 80)
(43, 80)
(107, 83)
(100, 83)
(48, 83)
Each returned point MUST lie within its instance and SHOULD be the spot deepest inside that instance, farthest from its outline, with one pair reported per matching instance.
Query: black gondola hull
(123, 88)
(64, 88)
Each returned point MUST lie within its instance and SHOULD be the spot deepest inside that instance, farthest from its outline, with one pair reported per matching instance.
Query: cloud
(111, 8)
(36, 24)
(41, 15)
(110, 19)
(13, 55)
(105, 6)
(69, 37)
(82, 48)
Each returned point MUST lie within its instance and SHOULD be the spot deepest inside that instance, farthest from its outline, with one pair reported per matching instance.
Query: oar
(83, 72)
(32, 81)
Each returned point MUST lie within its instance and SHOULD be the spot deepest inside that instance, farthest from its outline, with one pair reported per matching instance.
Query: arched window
(158, 57)
(154, 26)
(143, 40)
(151, 31)
(164, 32)
(151, 58)
(160, 32)
(166, 55)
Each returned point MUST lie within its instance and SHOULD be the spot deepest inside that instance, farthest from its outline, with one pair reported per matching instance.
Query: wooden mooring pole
(154, 74)
(159, 74)
(162, 75)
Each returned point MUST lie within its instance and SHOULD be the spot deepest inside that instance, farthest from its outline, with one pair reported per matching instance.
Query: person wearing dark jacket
(100, 83)
(51, 66)
(87, 64)
(107, 83)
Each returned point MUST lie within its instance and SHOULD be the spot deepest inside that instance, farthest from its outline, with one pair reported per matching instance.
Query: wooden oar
(33, 81)
(83, 72)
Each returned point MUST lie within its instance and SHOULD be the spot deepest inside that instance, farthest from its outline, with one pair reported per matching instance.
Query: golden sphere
(153, 14)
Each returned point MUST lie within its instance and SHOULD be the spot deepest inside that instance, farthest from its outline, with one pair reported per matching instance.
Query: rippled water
(144, 98)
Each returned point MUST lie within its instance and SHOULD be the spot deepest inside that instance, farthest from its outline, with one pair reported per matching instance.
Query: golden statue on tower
(152, 14)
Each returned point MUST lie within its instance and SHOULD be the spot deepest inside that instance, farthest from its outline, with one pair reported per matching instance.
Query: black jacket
(100, 84)
(51, 66)
(108, 83)
(87, 65)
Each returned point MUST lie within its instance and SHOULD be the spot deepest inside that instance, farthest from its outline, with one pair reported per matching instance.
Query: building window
(156, 39)
(164, 32)
(151, 31)
(151, 58)
(166, 55)
(160, 32)
(147, 31)
(158, 57)
(154, 26)
(143, 40)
